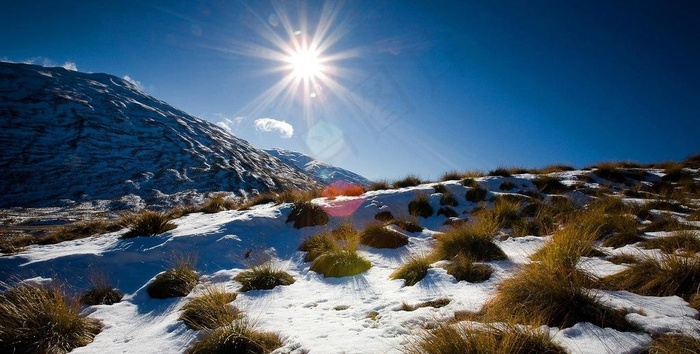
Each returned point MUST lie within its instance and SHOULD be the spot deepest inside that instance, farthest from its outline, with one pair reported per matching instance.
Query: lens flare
(306, 64)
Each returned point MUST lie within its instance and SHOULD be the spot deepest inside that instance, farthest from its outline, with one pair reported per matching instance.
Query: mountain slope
(322, 172)
(71, 136)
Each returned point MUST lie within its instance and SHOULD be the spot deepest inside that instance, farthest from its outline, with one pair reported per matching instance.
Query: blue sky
(407, 87)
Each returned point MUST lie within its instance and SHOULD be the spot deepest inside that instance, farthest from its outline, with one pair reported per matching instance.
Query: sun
(305, 64)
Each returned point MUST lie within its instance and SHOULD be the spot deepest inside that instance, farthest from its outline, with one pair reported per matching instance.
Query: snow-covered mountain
(322, 172)
(69, 136)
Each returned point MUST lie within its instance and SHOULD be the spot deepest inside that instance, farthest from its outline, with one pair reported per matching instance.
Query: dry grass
(503, 338)
(175, 282)
(452, 176)
(78, 230)
(500, 171)
(379, 186)
(504, 213)
(414, 270)
(305, 214)
(569, 244)
(409, 181)
(101, 292)
(674, 344)
(448, 199)
(334, 253)
(408, 225)
(340, 262)
(342, 189)
(473, 240)
(555, 168)
(210, 310)
(695, 216)
(463, 268)
(148, 223)
(14, 241)
(686, 240)
(476, 194)
(238, 337)
(437, 303)
(610, 205)
(420, 207)
(217, 203)
(623, 259)
(342, 237)
(670, 275)
(378, 236)
(265, 276)
(40, 319)
(550, 185)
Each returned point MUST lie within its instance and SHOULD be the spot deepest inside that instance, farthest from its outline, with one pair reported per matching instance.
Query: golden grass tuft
(414, 270)
(40, 319)
(175, 282)
(378, 236)
(503, 338)
(476, 194)
(340, 262)
(504, 214)
(78, 230)
(671, 274)
(217, 203)
(148, 223)
(210, 310)
(452, 176)
(674, 344)
(437, 303)
(420, 207)
(550, 185)
(343, 236)
(304, 214)
(408, 225)
(684, 240)
(463, 268)
(408, 181)
(265, 276)
(473, 240)
(14, 241)
(101, 292)
(238, 337)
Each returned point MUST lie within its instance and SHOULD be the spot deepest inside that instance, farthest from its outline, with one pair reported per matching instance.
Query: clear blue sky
(418, 87)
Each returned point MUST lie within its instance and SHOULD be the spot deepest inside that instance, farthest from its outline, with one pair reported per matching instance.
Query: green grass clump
(217, 203)
(40, 319)
(148, 223)
(413, 271)
(476, 194)
(210, 310)
(680, 240)
(174, 282)
(263, 277)
(669, 275)
(473, 240)
(305, 214)
(505, 338)
(420, 207)
(409, 181)
(463, 268)
(340, 262)
(378, 236)
(101, 293)
(238, 337)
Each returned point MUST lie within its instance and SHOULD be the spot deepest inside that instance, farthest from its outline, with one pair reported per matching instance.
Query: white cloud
(268, 124)
(228, 123)
(128, 79)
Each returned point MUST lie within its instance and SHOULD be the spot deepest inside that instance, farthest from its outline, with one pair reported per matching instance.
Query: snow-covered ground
(358, 314)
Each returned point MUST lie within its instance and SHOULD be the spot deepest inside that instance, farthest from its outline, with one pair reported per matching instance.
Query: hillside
(527, 236)
(71, 137)
(322, 172)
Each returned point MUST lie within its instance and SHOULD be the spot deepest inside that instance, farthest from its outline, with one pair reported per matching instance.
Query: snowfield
(356, 314)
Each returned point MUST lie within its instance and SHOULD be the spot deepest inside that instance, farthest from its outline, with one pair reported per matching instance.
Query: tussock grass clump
(339, 262)
(550, 185)
(305, 214)
(471, 240)
(40, 319)
(672, 274)
(174, 282)
(13, 241)
(263, 277)
(675, 173)
(217, 203)
(239, 337)
(569, 244)
(414, 270)
(210, 310)
(448, 199)
(409, 181)
(469, 182)
(440, 188)
(384, 216)
(447, 212)
(408, 225)
(378, 236)
(556, 168)
(610, 205)
(674, 343)
(258, 199)
(343, 236)
(437, 303)
(476, 194)
(78, 230)
(542, 223)
(680, 240)
(451, 176)
(379, 186)
(666, 223)
(612, 172)
(463, 268)
(420, 207)
(504, 213)
(623, 259)
(621, 239)
(500, 171)
(148, 223)
(342, 189)
(297, 195)
(695, 216)
(506, 186)
(504, 338)
(101, 293)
